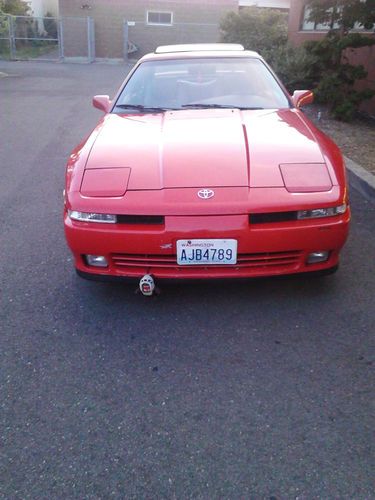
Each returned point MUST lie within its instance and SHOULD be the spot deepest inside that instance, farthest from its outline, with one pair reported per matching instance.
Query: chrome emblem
(205, 194)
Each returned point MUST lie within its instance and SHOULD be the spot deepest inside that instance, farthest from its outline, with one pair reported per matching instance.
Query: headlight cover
(317, 213)
(92, 217)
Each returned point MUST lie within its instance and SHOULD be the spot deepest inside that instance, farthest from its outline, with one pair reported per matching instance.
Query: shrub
(321, 65)
(14, 7)
(266, 32)
(335, 77)
(293, 66)
(262, 30)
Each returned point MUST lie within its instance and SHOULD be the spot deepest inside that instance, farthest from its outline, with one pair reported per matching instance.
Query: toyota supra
(203, 166)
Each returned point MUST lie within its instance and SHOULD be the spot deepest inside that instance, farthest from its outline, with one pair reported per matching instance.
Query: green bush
(14, 7)
(321, 65)
(293, 66)
(266, 32)
(335, 78)
(262, 30)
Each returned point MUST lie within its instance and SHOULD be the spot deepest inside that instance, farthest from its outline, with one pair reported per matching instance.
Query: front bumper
(267, 249)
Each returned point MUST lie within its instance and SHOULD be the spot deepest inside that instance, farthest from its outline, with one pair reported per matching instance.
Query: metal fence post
(126, 41)
(91, 39)
(12, 40)
(60, 38)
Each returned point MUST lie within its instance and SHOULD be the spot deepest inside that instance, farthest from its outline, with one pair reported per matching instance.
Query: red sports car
(204, 167)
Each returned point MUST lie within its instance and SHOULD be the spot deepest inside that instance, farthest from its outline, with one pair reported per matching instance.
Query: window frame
(159, 12)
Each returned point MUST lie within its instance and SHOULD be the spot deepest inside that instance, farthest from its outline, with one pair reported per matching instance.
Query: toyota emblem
(205, 194)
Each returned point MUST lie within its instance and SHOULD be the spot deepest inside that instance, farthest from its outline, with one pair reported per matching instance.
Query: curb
(362, 180)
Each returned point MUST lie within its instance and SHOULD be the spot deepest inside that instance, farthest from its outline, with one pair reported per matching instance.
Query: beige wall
(194, 21)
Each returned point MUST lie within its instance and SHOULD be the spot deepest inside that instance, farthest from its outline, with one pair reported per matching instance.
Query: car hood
(204, 148)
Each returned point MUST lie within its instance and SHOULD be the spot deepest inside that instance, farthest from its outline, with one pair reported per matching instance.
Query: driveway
(259, 389)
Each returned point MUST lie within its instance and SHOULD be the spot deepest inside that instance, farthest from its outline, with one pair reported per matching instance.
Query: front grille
(254, 261)
(135, 260)
(270, 259)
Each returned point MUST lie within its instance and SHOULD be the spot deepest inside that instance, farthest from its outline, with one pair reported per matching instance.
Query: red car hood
(204, 148)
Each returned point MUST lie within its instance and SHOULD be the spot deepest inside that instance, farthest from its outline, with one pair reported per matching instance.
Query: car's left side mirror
(101, 102)
(302, 98)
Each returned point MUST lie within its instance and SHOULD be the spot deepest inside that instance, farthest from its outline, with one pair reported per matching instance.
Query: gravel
(356, 139)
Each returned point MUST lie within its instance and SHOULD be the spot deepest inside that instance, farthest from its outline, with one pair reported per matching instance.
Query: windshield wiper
(201, 105)
(140, 107)
(195, 105)
(249, 107)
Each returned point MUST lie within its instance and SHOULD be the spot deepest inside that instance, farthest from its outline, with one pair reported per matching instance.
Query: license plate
(206, 252)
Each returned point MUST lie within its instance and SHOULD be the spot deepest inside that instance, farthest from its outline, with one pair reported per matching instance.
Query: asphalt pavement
(260, 389)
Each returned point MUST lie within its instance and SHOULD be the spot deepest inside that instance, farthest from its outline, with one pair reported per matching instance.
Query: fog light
(315, 257)
(96, 260)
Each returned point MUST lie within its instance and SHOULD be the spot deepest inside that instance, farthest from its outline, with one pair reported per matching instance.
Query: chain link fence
(4, 37)
(25, 37)
(47, 38)
(77, 39)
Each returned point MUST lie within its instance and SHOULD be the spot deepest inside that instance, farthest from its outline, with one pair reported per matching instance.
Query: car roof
(187, 51)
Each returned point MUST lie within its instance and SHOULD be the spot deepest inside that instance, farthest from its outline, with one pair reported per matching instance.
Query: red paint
(306, 178)
(105, 182)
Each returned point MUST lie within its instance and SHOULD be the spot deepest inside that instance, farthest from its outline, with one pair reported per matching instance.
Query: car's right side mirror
(302, 98)
(101, 102)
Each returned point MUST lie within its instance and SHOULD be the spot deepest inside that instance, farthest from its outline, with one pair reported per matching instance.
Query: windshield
(244, 83)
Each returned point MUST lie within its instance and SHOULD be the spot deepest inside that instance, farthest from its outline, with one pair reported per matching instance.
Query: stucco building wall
(196, 21)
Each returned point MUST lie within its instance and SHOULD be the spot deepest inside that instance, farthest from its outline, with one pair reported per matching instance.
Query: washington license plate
(206, 252)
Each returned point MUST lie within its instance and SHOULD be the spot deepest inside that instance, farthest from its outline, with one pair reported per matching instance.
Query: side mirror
(302, 97)
(101, 102)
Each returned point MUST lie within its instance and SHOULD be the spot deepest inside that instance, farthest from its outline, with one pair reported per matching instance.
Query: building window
(160, 18)
(307, 25)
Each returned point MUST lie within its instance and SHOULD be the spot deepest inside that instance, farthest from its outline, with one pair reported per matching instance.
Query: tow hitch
(147, 285)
